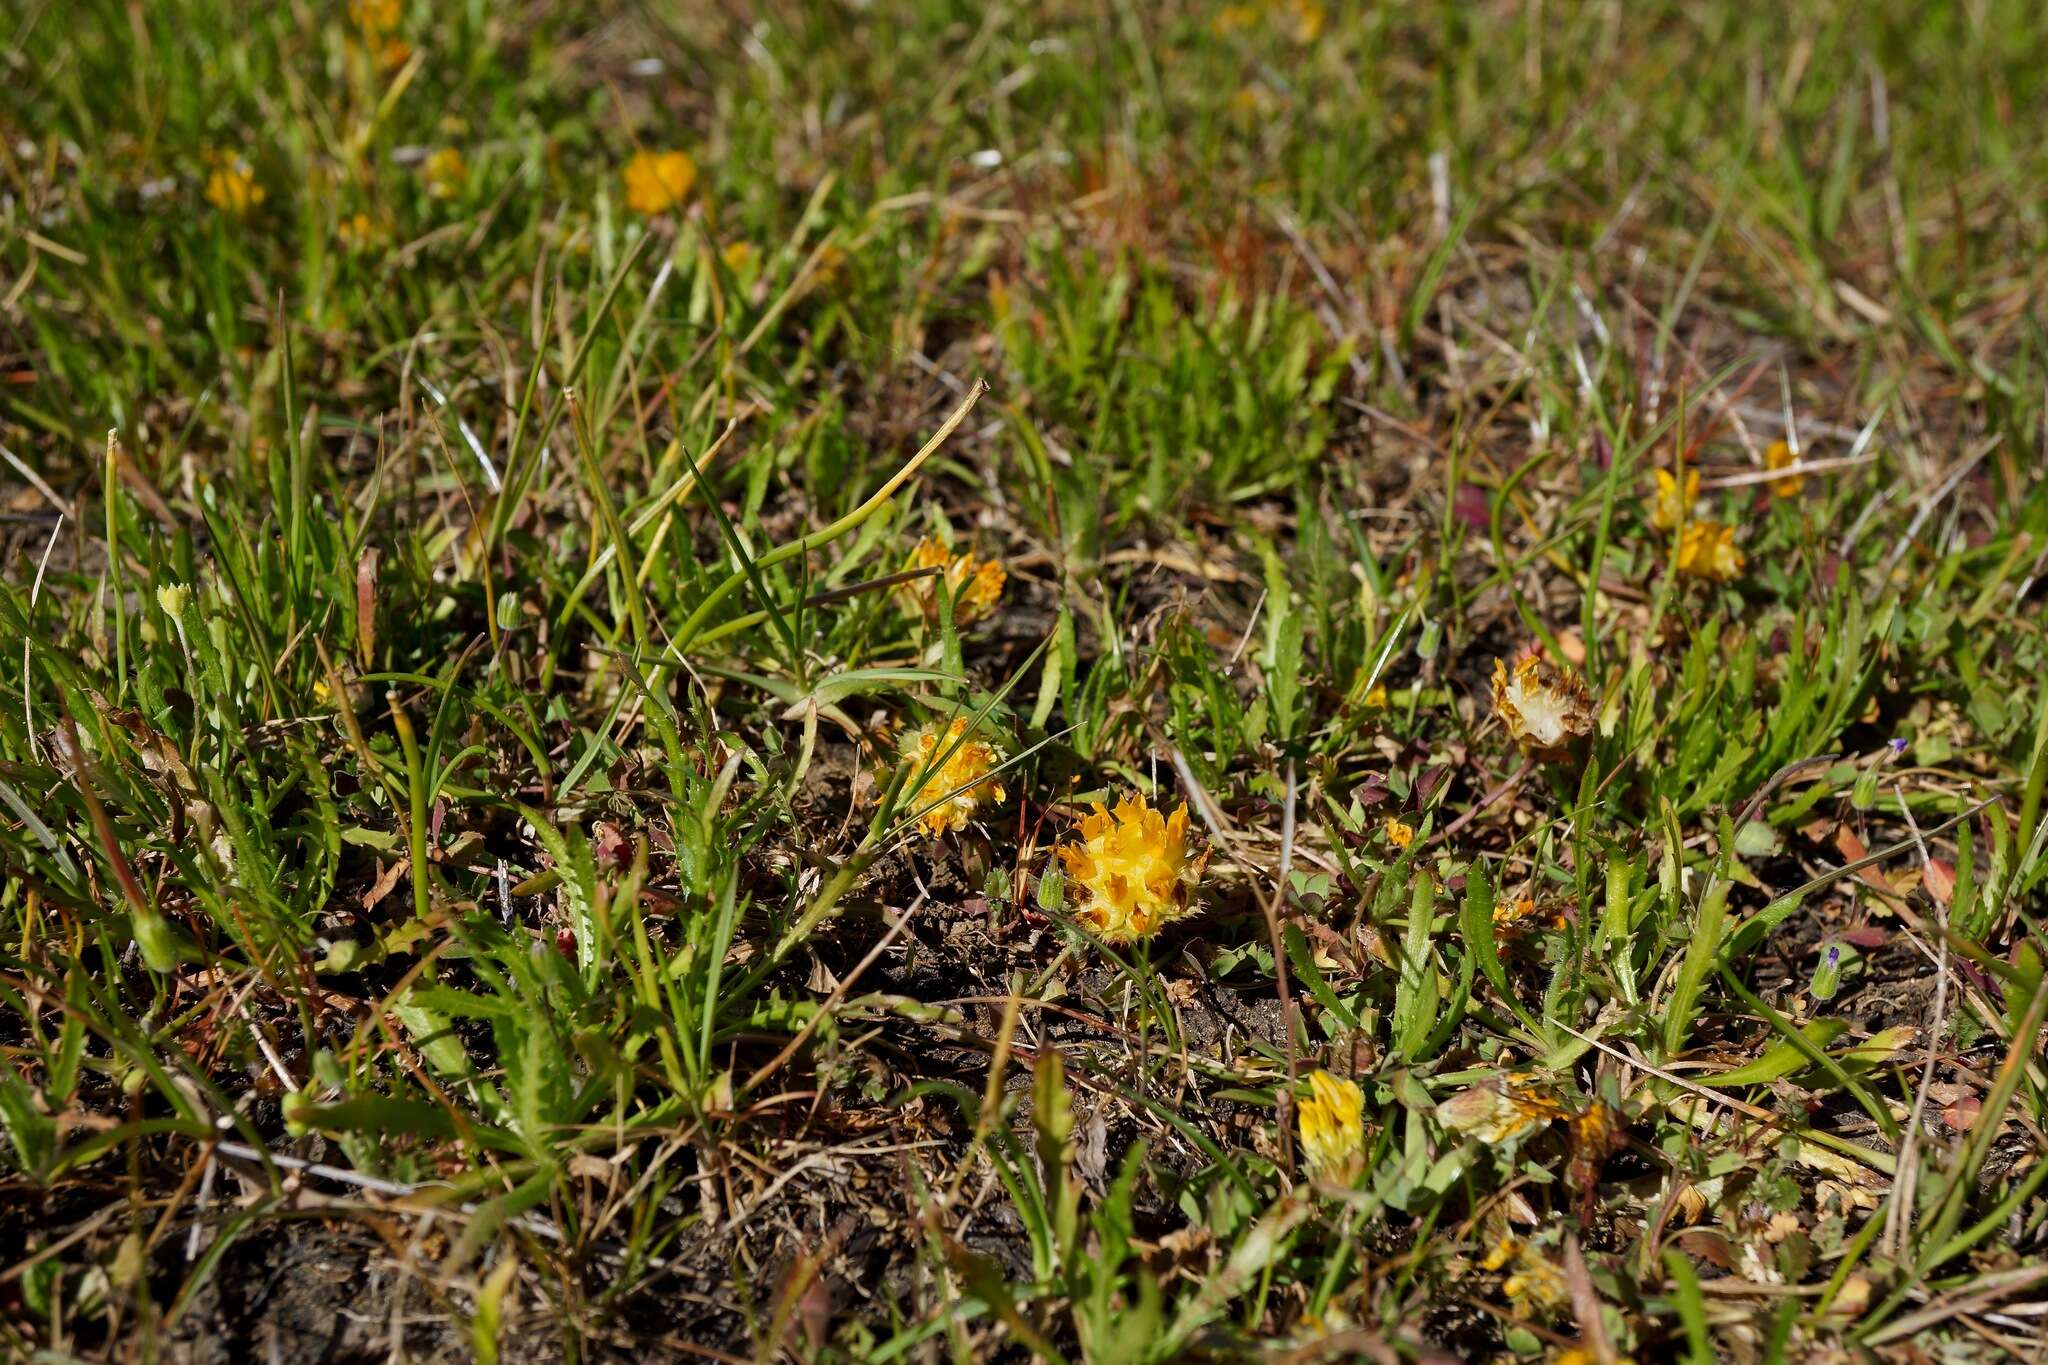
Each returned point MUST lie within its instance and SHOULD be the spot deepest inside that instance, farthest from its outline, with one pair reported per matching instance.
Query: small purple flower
(1897, 748)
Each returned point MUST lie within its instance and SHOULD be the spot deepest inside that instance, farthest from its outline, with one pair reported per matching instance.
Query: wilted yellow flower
(974, 585)
(1398, 834)
(1707, 550)
(1133, 870)
(1782, 456)
(1497, 1111)
(658, 181)
(1543, 707)
(231, 187)
(963, 777)
(1673, 507)
(375, 16)
(1332, 1126)
(445, 173)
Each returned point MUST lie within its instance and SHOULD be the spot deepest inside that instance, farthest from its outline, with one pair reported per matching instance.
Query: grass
(464, 894)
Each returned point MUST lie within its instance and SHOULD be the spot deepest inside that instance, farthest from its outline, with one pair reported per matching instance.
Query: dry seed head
(1543, 707)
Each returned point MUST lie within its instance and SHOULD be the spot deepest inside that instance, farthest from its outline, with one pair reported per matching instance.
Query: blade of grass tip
(1879, 1114)
(748, 565)
(110, 488)
(608, 515)
(694, 625)
(416, 791)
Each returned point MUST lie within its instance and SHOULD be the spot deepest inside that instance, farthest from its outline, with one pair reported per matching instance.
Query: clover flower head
(1399, 833)
(1543, 707)
(1332, 1126)
(445, 173)
(1132, 870)
(357, 232)
(1781, 455)
(1672, 506)
(375, 16)
(963, 777)
(657, 182)
(1537, 1285)
(975, 585)
(1707, 550)
(231, 187)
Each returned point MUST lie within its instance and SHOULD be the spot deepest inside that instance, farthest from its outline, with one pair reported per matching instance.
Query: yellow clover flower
(1332, 1126)
(657, 182)
(357, 232)
(1707, 550)
(1543, 707)
(231, 187)
(375, 16)
(1782, 456)
(1132, 870)
(445, 173)
(963, 777)
(974, 585)
(1536, 1282)
(1399, 834)
(1672, 506)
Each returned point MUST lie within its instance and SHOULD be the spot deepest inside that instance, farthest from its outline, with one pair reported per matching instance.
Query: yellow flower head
(658, 181)
(963, 778)
(1131, 870)
(1543, 707)
(1782, 456)
(1398, 834)
(231, 187)
(975, 585)
(357, 232)
(1673, 505)
(739, 256)
(173, 598)
(375, 16)
(1308, 16)
(1376, 697)
(1708, 551)
(1498, 1111)
(1231, 18)
(445, 173)
(1537, 1286)
(1514, 911)
(1332, 1126)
